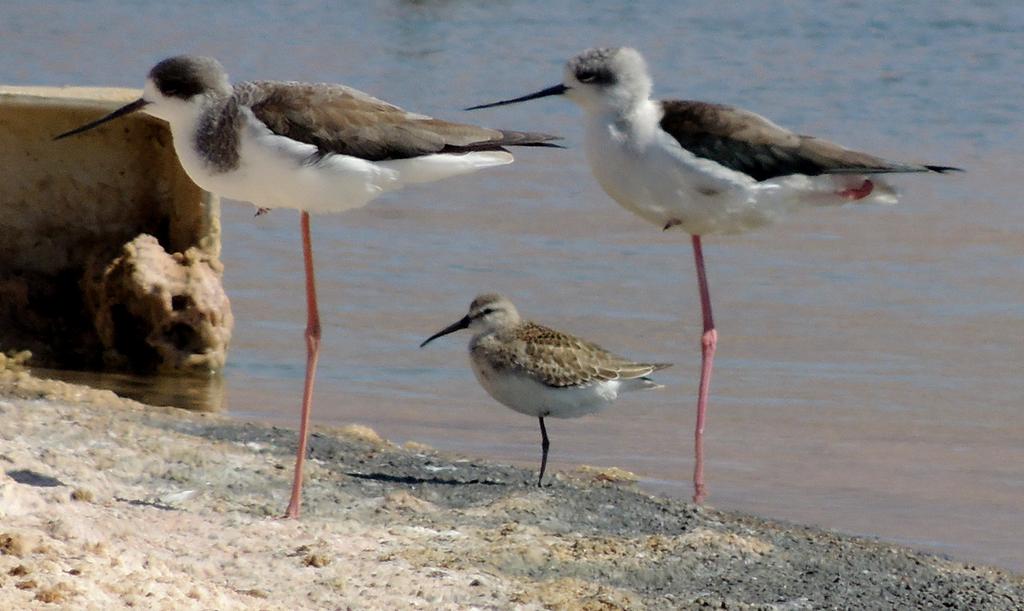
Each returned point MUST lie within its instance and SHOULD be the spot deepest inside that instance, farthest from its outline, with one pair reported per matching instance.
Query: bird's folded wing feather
(341, 120)
(747, 142)
(558, 359)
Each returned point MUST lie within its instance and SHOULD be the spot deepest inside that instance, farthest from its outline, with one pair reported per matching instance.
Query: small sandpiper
(705, 168)
(541, 372)
(311, 147)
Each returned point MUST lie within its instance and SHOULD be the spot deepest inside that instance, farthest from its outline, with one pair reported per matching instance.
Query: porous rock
(155, 310)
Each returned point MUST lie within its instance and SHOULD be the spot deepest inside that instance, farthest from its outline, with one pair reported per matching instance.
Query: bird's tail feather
(435, 167)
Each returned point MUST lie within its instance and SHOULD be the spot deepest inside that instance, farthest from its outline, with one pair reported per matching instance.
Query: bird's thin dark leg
(312, 355)
(544, 445)
(708, 342)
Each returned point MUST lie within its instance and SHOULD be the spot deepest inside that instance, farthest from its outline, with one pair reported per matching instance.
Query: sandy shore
(107, 503)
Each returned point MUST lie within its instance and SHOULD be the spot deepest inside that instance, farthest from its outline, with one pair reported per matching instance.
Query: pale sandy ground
(128, 526)
(106, 503)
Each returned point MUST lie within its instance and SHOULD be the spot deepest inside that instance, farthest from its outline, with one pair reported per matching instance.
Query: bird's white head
(176, 90)
(181, 86)
(487, 313)
(604, 78)
(490, 312)
(599, 80)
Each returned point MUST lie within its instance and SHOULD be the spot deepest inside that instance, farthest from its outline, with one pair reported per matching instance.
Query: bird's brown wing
(341, 120)
(559, 359)
(747, 142)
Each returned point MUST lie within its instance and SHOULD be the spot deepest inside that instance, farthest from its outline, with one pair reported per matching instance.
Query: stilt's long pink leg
(708, 341)
(312, 354)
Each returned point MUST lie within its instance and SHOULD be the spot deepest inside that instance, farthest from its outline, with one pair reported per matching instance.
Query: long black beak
(558, 89)
(452, 328)
(120, 112)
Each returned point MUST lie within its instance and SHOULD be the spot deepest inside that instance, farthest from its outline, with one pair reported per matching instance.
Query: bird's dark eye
(486, 311)
(175, 87)
(595, 76)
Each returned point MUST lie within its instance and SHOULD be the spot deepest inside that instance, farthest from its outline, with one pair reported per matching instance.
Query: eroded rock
(157, 311)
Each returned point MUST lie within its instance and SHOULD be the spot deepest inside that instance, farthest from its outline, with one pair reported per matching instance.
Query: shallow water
(868, 376)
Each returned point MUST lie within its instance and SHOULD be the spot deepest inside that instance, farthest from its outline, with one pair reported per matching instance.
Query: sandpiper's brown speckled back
(555, 358)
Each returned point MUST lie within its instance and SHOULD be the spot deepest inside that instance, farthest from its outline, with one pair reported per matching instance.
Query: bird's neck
(216, 134)
(495, 334)
(635, 119)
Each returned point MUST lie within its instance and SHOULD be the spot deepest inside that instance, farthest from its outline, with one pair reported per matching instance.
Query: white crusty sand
(118, 532)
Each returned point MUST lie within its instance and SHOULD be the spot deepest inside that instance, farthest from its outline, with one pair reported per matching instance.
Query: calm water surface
(869, 371)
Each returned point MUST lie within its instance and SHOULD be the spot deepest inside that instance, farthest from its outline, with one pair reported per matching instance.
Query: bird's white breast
(277, 172)
(528, 396)
(646, 171)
